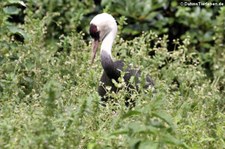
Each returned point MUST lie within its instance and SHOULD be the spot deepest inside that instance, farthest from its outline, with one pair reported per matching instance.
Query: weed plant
(49, 99)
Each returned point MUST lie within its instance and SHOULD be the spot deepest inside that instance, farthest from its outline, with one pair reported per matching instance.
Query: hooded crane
(103, 28)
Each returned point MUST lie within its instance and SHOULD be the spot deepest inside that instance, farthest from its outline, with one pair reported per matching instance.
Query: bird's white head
(103, 24)
(103, 28)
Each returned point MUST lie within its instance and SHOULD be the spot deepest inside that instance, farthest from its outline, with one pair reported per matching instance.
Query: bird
(103, 28)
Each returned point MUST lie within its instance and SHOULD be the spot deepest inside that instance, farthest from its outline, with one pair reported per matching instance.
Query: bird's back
(129, 72)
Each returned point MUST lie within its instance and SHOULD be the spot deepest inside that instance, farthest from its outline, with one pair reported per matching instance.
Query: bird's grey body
(107, 76)
(104, 28)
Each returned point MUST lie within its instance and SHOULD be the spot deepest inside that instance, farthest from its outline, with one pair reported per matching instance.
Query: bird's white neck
(106, 55)
(106, 46)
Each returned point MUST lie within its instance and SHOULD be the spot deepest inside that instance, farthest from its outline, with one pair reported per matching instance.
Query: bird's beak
(94, 49)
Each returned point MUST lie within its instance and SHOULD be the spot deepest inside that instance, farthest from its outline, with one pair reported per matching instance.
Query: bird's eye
(94, 32)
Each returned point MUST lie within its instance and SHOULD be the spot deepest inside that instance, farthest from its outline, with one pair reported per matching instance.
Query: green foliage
(140, 14)
(168, 17)
(218, 54)
(9, 8)
(48, 92)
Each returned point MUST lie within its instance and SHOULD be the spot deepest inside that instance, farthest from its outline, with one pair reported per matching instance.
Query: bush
(49, 99)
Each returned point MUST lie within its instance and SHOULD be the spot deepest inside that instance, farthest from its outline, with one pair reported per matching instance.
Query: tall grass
(49, 98)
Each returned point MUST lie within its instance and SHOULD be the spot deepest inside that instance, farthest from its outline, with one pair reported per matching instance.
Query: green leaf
(11, 10)
(92, 145)
(130, 113)
(165, 117)
(16, 30)
(17, 2)
(134, 143)
(148, 145)
(119, 132)
(136, 127)
(171, 139)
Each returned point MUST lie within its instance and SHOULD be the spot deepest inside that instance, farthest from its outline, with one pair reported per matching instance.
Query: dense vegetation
(48, 96)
